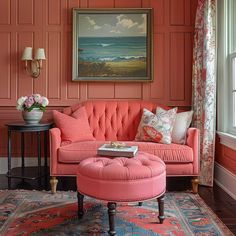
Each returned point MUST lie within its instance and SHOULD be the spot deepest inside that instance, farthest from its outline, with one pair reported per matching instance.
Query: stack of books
(114, 150)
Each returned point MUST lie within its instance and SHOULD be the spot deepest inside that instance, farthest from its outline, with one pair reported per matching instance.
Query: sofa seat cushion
(169, 153)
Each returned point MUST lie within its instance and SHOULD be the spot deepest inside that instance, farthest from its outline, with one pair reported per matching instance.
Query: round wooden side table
(31, 172)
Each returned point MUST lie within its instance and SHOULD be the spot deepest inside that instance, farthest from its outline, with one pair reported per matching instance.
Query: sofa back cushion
(114, 120)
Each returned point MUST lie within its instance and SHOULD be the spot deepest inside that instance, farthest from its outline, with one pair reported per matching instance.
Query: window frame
(225, 19)
(231, 90)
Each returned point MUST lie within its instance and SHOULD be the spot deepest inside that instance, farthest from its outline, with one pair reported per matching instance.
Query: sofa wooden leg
(53, 182)
(195, 182)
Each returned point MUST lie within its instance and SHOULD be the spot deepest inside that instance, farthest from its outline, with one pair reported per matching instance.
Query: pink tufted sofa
(118, 121)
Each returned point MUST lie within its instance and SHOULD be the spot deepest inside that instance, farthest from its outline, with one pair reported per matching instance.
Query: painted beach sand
(112, 56)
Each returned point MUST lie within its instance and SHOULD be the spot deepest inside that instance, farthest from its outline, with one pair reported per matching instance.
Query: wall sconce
(33, 66)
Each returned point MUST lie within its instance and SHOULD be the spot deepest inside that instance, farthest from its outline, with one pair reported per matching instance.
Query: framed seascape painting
(112, 45)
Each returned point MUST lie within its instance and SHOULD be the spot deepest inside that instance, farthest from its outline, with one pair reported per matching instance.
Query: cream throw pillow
(181, 125)
(156, 128)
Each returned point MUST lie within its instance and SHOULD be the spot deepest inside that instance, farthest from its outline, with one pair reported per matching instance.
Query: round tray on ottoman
(121, 179)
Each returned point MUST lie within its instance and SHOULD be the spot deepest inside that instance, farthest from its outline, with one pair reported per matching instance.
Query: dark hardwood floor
(218, 200)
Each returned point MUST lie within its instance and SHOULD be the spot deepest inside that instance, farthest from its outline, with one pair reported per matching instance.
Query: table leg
(39, 150)
(39, 157)
(22, 141)
(22, 150)
(80, 205)
(45, 148)
(9, 158)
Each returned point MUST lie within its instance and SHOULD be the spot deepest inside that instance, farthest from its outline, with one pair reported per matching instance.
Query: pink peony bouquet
(28, 103)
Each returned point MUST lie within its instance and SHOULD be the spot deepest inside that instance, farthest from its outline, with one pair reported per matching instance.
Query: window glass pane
(234, 92)
(232, 29)
(233, 73)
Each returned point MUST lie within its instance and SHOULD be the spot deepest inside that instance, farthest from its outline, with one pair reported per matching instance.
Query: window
(226, 72)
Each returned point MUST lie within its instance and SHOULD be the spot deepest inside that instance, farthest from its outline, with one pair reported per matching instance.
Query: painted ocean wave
(95, 44)
(113, 59)
(105, 44)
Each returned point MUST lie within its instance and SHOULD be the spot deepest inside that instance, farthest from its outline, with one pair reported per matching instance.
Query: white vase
(32, 117)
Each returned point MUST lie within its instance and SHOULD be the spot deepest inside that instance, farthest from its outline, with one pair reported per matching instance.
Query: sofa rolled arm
(55, 143)
(193, 137)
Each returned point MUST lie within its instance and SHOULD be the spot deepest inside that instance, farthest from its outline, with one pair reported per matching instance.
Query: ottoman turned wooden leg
(161, 208)
(111, 213)
(80, 205)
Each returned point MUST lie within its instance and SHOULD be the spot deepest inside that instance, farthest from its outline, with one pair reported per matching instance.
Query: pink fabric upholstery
(73, 128)
(114, 120)
(122, 179)
(55, 143)
(173, 170)
(173, 153)
(193, 141)
(118, 120)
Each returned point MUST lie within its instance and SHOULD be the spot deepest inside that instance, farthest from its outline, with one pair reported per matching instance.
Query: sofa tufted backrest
(114, 120)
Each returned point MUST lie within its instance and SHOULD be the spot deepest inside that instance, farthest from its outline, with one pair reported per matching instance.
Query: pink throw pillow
(156, 128)
(73, 128)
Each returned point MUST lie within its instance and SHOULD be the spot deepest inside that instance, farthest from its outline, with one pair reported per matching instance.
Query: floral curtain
(204, 86)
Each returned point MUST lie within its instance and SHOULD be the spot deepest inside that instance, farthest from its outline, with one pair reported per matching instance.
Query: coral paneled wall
(225, 156)
(48, 24)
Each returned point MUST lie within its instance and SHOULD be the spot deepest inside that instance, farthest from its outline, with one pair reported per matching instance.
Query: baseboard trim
(226, 180)
(16, 162)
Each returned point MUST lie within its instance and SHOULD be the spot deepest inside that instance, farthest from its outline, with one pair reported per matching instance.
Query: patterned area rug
(41, 213)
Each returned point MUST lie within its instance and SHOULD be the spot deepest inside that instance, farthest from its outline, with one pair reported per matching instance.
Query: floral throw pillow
(156, 128)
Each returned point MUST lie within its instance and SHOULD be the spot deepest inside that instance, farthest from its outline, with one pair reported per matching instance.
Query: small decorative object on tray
(117, 149)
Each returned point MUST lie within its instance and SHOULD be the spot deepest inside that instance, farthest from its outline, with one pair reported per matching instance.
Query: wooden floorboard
(218, 200)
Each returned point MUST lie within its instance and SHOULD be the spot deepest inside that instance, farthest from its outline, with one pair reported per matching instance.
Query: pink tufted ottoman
(122, 180)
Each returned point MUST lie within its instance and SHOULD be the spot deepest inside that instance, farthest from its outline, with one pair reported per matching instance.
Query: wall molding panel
(54, 12)
(26, 12)
(5, 65)
(5, 16)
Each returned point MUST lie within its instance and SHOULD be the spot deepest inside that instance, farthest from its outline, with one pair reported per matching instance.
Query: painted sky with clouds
(112, 25)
